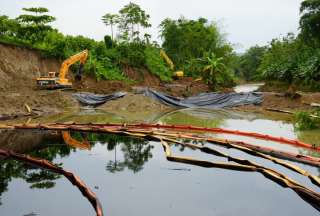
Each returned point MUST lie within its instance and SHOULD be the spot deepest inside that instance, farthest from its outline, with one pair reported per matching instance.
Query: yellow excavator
(176, 74)
(51, 81)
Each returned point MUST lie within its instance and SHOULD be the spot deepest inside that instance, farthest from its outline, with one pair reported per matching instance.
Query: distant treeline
(294, 59)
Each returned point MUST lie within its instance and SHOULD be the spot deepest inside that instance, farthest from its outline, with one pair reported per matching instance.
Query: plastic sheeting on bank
(204, 100)
(91, 99)
(207, 100)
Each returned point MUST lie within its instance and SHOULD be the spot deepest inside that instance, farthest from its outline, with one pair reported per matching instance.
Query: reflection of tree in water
(36, 177)
(136, 152)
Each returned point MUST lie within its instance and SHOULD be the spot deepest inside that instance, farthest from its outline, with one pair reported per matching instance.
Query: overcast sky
(246, 22)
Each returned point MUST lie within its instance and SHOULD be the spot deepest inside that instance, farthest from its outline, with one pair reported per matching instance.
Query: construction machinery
(176, 74)
(54, 81)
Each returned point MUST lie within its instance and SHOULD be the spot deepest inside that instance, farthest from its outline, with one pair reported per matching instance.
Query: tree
(34, 26)
(250, 62)
(188, 40)
(310, 20)
(8, 27)
(212, 70)
(131, 19)
(110, 20)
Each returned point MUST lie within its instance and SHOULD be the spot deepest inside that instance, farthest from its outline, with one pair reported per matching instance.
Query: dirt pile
(133, 103)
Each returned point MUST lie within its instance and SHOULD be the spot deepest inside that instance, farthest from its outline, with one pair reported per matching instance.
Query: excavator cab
(52, 81)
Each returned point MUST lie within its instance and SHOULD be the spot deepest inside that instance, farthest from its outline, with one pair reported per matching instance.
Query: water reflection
(134, 154)
(47, 149)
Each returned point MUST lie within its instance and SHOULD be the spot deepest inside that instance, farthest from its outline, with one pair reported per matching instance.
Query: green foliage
(303, 121)
(108, 42)
(250, 62)
(189, 44)
(131, 19)
(34, 26)
(216, 73)
(156, 65)
(292, 61)
(111, 20)
(184, 40)
(295, 59)
(8, 27)
(310, 20)
(132, 53)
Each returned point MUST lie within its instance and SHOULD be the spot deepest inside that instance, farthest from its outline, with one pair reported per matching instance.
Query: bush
(132, 53)
(303, 121)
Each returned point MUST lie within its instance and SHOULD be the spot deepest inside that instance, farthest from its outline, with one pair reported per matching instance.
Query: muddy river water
(132, 176)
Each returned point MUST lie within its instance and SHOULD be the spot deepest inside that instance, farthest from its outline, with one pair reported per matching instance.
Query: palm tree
(212, 70)
(110, 19)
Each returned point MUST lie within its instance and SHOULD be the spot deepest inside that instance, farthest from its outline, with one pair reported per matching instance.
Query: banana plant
(212, 70)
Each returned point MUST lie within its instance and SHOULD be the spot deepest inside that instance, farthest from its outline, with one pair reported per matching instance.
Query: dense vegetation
(294, 59)
(198, 47)
(195, 44)
(192, 44)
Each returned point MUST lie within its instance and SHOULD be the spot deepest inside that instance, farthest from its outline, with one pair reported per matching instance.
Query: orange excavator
(51, 81)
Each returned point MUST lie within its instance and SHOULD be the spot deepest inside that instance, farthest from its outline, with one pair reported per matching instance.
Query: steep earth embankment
(18, 69)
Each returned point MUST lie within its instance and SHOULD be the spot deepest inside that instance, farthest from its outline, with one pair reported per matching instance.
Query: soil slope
(18, 69)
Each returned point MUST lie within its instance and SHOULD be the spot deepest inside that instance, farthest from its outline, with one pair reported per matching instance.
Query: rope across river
(167, 134)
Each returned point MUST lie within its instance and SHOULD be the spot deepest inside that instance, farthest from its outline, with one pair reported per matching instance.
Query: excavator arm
(164, 55)
(176, 74)
(81, 57)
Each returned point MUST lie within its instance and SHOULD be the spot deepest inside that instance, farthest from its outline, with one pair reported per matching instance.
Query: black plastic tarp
(91, 99)
(207, 100)
(204, 100)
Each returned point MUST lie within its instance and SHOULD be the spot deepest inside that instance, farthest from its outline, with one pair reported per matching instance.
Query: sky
(246, 23)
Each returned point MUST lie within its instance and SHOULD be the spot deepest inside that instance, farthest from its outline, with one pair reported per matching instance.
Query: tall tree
(131, 19)
(310, 20)
(110, 20)
(35, 25)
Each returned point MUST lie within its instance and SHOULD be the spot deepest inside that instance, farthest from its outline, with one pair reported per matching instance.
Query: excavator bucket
(78, 76)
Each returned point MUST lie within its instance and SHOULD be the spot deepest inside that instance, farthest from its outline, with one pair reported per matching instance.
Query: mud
(277, 101)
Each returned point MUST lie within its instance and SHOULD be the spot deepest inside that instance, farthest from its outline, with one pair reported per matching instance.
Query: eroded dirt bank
(20, 66)
(18, 69)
